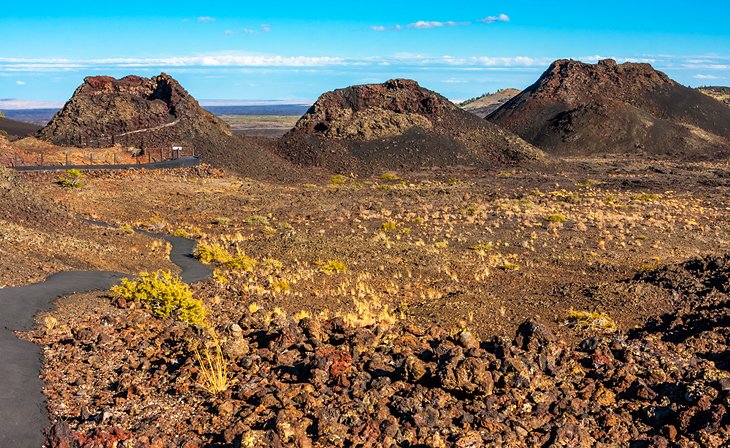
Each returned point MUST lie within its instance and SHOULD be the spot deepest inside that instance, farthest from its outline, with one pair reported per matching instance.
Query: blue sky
(297, 50)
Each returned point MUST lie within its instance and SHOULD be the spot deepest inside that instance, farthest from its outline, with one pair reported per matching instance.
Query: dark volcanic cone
(155, 112)
(397, 125)
(578, 108)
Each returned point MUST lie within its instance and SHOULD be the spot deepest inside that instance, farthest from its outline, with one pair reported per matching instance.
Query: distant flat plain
(259, 120)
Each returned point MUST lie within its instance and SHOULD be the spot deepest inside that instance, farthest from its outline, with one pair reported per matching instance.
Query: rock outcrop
(578, 108)
(135, 111)
(397, 125)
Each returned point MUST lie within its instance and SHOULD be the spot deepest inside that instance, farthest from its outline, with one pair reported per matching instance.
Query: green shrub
(4, 133)
(72, 179)
(164, 294)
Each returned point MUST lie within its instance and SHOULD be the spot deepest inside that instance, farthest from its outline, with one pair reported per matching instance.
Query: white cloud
(206, 19)
(17, 66)
(266, 28)
(494, 19)
(20, 83)
(15, 104)
(431, 24)
(701, 76)
(427, 25)
(231, 32)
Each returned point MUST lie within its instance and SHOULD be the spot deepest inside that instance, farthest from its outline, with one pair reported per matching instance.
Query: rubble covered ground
(581, 305)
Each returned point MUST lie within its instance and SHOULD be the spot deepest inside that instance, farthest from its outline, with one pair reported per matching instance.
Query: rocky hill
(489, 102)
(578, 108)
(155, 112)
(397, 125)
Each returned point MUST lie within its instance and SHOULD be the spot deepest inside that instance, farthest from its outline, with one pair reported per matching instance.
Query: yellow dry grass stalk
(213, 375)
(591, 320)
(369, 312)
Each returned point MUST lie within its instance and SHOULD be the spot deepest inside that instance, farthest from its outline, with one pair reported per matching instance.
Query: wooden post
(66, 158)
(91, 158)
(115, 158)
(149, 156)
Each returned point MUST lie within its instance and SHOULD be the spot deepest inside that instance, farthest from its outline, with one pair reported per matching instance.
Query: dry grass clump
(338, 179)
(591, 320)
(389, 176)
(645, 197)
(369, 312)
(333, 267)
(213, 375)
(212, 253)
(182, 233)
(241, 262)
(164, 294)
(555, 217)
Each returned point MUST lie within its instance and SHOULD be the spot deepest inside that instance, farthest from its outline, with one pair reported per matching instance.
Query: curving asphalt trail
(23, 414)
(182, 162)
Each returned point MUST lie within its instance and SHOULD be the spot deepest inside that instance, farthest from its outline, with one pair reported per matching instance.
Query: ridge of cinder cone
(397, 125)
(585, 109)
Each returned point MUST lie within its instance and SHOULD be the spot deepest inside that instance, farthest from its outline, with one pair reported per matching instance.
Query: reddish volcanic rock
(397, 125)
(578, 108)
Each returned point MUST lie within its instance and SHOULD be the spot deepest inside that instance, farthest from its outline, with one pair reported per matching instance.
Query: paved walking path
(23, 415)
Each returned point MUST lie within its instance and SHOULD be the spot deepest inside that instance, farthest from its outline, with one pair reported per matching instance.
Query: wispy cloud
(15, 66)
(20, 83)
(493, 19)
(265, 28)
(206, 19)
(431, 24)
(702, 76)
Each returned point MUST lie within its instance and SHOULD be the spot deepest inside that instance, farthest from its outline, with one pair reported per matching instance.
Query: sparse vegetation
(591, 320)
(240, 262)
(333, 267)
(338, 179)
(555, 217)
(182, 233)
